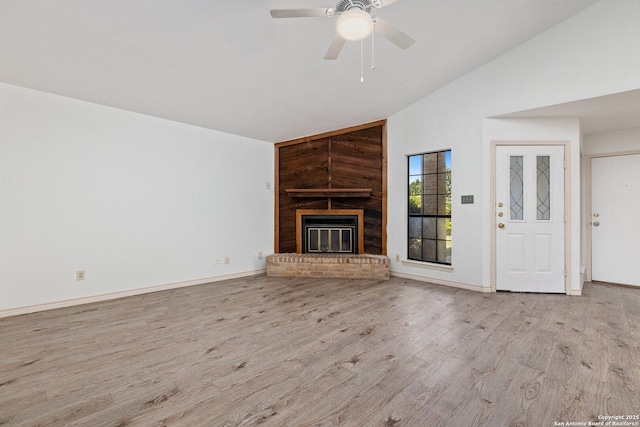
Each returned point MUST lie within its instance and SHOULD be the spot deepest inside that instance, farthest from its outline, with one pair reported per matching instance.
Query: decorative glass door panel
(516, 188)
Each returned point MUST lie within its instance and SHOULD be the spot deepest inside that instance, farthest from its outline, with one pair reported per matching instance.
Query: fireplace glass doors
(329, 232)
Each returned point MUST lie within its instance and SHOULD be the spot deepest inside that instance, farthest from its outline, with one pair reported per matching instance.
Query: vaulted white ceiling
(229, 66)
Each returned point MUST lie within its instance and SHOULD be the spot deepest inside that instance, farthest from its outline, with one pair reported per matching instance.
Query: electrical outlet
(216, 260)
(227, 260)
(397, 257)
(80, 275)
(268, 185)
(259, 254)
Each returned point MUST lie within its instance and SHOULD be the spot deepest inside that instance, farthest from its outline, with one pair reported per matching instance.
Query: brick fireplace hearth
(329, 265)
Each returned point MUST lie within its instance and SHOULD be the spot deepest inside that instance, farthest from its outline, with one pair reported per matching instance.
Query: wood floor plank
(324, 352)
(447, 406)
(563, 366)
(399, 407)
(540, 350)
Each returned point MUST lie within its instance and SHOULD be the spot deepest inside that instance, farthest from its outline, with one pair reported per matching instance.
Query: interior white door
(530, 218)
(615, 230)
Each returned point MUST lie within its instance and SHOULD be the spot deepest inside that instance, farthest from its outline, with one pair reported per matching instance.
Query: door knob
(597, 223)
(501, 225)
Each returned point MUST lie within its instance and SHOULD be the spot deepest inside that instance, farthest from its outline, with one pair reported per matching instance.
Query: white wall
(618, 141)
(135, 201)
(596, 52)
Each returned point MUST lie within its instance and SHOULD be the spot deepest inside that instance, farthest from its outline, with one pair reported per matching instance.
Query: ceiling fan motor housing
(344, 5)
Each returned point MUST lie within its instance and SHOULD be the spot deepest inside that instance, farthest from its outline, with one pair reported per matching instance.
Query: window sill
(428, 265)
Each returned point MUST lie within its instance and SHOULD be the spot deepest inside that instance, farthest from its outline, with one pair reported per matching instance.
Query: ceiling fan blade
(394, 35)
(336, 46)
(303, 13)
(382, 3)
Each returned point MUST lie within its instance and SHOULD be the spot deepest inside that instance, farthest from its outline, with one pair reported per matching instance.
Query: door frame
(589, 207)
(567, 205)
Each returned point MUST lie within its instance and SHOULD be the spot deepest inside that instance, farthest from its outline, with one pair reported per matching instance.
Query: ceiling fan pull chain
(361, 60)
(373, 59)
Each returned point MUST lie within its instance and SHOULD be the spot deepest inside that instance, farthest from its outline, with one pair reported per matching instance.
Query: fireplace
(330, 231)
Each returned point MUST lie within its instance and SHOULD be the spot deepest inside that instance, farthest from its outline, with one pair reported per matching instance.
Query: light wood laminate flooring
(324, 352)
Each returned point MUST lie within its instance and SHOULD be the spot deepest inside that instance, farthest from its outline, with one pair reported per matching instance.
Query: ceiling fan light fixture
(354, 24)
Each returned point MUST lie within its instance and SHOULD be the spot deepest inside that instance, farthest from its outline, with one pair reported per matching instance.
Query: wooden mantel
(329, 192)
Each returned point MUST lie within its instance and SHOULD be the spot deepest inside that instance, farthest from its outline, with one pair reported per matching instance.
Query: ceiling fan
(355, 22)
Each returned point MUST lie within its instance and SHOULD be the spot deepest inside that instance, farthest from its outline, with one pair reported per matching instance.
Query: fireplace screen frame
(358, 238)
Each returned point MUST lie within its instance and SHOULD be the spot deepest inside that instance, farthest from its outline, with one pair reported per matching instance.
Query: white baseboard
(128, 293)
(449, 283)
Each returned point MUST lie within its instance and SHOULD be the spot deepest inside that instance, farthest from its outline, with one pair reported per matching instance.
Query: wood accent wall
(353, 158)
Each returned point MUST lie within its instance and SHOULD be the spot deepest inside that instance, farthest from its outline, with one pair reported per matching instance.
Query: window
(430, 207)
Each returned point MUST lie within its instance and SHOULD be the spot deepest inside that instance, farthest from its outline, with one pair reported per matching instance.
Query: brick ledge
(330, 258)
(329, 266)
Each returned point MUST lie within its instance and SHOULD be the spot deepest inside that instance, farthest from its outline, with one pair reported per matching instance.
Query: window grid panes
(430, 207)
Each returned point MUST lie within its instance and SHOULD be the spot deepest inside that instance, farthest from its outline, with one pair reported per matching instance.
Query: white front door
(615, 230)
(530, 218)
